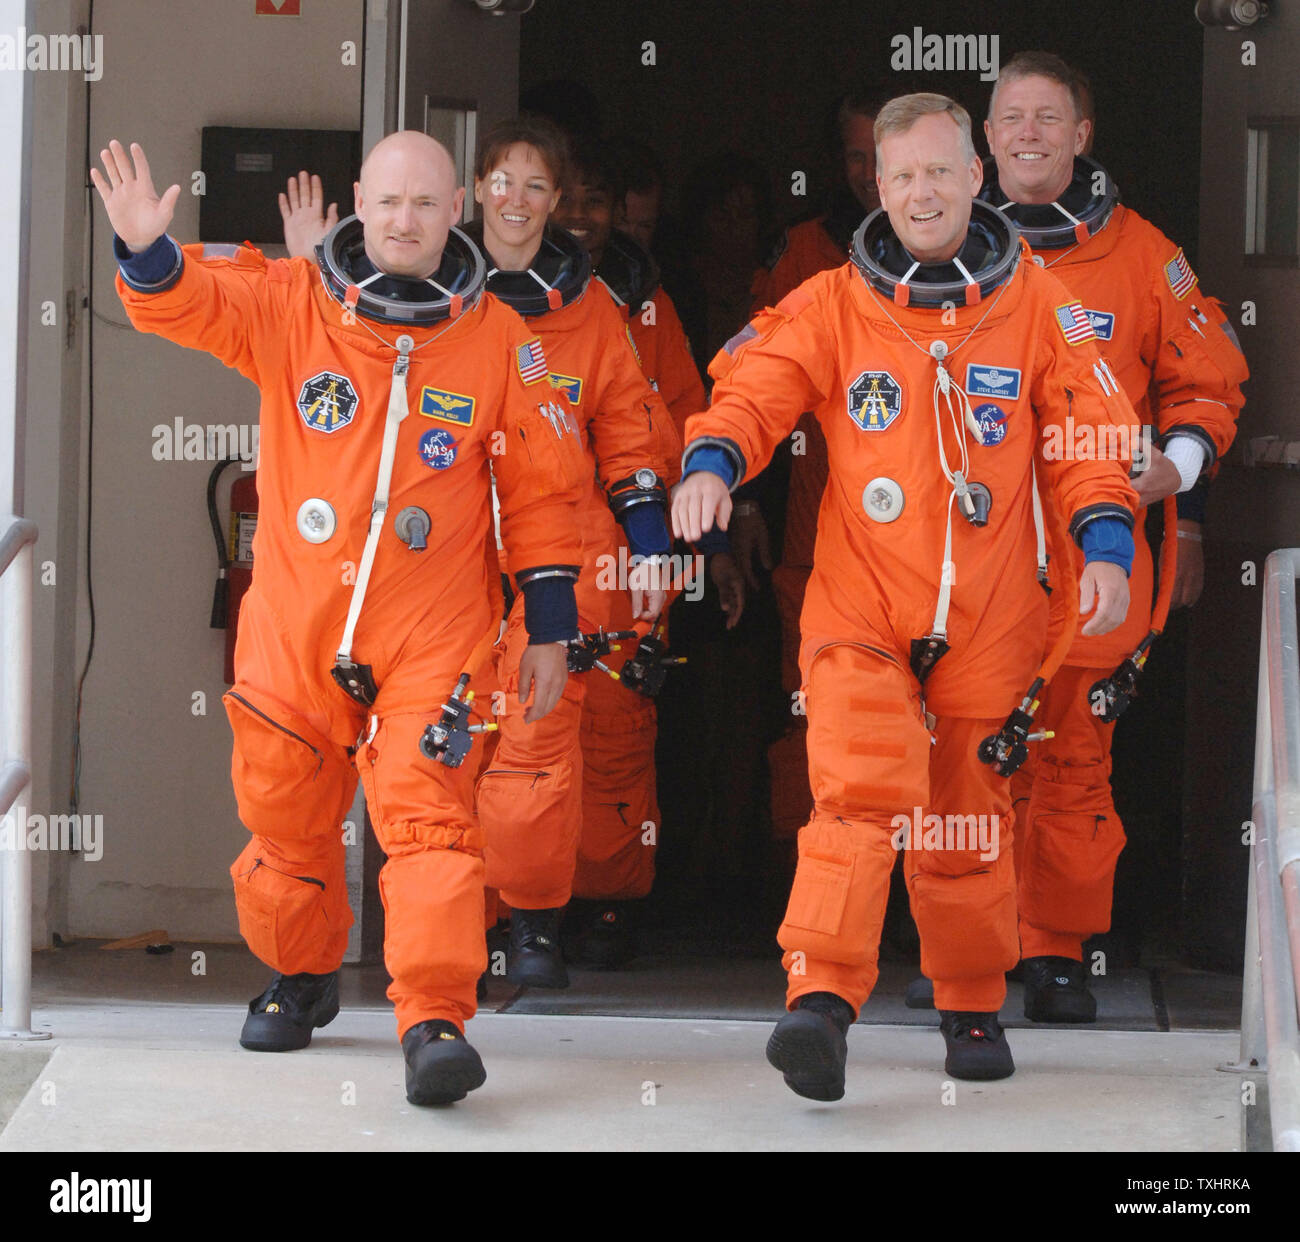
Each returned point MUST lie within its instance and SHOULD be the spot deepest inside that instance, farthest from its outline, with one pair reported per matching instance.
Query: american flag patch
(1074, 323)
(1179, 274)
(532, 362)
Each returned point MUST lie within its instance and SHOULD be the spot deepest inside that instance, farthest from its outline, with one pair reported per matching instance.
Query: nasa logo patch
(993, 424)
(983, 380)
(449, 407)
(437, 449)
(875, 400)
(327, 401)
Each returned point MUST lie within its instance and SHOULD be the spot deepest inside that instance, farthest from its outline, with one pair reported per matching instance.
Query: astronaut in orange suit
(620, 812)
(1178, 360)
(531, 799)
(545, 781)
(661, 345)
(924, 620)
(391, 385)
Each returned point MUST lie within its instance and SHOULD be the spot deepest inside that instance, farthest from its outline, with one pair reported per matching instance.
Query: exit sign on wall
(279, 8)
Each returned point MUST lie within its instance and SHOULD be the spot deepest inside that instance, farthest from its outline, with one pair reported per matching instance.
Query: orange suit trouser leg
(960, 872)
(872, 771)
(530, 799)
(432, 884)
(293, 785)
(1072, 836)
(620, 805)
(294, 781)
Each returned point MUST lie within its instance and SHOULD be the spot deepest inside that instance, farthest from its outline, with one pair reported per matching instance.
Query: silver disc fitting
(317, 520)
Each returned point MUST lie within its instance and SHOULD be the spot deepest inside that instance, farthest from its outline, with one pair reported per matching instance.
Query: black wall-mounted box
(246, 169)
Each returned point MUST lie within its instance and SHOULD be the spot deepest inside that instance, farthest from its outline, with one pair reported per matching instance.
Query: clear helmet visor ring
(990, 226)
(1067, 229)
(344, 245)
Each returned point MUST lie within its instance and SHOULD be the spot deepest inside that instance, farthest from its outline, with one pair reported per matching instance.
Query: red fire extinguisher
(234, 554)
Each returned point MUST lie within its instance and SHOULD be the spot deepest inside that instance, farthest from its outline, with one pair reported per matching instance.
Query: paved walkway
(124, 1076)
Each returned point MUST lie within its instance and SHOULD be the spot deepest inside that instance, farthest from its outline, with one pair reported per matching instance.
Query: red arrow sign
(279, 8)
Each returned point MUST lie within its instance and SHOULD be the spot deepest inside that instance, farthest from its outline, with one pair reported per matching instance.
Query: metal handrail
(15, 777)
(1270, 1021)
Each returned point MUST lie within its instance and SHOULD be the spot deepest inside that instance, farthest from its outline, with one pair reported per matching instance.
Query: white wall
(157, 773)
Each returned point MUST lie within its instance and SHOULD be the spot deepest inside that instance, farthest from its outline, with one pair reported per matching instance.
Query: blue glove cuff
(153, 270)
(646, 530)
(550, 610)
(714, 460)
(1108, 539)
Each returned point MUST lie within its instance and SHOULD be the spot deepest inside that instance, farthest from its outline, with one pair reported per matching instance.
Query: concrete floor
(145, 1058)
(169, 1077)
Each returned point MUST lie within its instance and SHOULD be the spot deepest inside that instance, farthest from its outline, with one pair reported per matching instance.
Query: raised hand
(306, 225)
(138, 216)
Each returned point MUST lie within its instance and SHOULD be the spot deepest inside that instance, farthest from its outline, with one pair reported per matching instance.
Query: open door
(445, 67)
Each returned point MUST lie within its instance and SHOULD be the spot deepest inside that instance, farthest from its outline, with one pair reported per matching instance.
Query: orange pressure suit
(531, 799)
(325, 379)
(833, 347)
(666, 358)
(1178, 361)
(616, 851)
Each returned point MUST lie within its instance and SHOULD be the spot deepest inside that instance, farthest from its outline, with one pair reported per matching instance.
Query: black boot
(282, 1018)
(604, 941)
(533, 959)
(441, 1066)
(1056, 990)
(809, 1046)
(977, 1047)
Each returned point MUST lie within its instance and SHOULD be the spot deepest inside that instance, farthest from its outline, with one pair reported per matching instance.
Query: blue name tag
(983, 380)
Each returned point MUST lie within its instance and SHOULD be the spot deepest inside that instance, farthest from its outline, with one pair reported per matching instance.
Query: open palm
(138, 216)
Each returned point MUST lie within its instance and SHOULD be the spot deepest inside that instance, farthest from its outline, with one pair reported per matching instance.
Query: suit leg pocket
(820, 893)
(287, 778)
(282, 917)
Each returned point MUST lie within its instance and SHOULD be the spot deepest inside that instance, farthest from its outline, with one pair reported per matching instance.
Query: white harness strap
(397, 411)
(940, 627)
(496, 513)
(1039, 532)
(961, 418)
